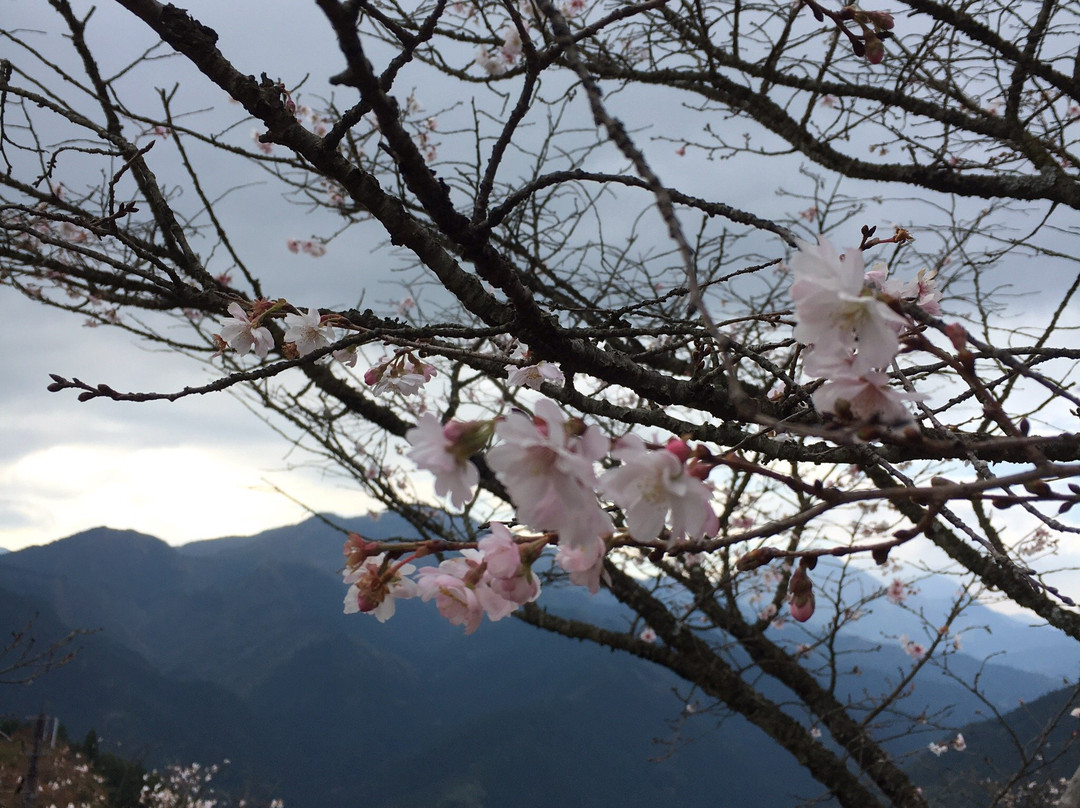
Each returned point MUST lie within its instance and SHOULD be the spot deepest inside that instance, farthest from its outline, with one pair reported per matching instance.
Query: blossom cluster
(564, 476)
(492, 580)
(244, 331)
(958, 744)
(548, 465)
(844, 314)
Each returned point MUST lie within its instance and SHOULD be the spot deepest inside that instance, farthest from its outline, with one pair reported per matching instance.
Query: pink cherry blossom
(243, 336)
(347, 356)
(403, 373)
(535, 375)
(867, 397)
(652, 484)
(507, 575)
(834, 314)
(546, 465)
(584, 562)
(923, 291)
(913, 649)
(307, 331)
(455, 599)
(492, 64)
(376, 586)
(896, 591)
(445, 451)
(512, 44)
(501, 552)
(462, 593)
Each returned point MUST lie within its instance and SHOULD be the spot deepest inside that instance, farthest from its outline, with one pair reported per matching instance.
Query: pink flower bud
(801, 594)
(957, 335)
(372, 376)
(679, 448)
(875, 50)
(882, 20)
(802, 609)
(357, 549)
(366, 603)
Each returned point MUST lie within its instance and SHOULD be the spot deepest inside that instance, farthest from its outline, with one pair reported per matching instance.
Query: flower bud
(882, 20)
(465, 438)
(874, 50)
(801, 594)
(357, 549)
(679, 448)
(372, 376)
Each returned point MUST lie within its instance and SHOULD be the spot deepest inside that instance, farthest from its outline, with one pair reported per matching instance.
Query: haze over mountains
(237, 648)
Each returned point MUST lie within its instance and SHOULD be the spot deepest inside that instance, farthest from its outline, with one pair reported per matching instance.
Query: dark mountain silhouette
(237, 648)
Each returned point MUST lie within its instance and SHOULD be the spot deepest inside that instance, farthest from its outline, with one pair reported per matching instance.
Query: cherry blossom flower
(923, 291)
(648, 634)
(571, 8)
(375, 587)
(777, 391)
(652, 484)
(507, 574)
(307, 331)
(867, 397)
(501, 552)
(584, 562)
(896, 591)
(958, 743)
(461, 591)
(535, 375)
(445, 451)
(492, 64)
(404, 373)
(243, 336)
(911, 648)
(834, 314)
(512, 44)
(546, 465)
(347, 356)
(454, 598)
(938, 749)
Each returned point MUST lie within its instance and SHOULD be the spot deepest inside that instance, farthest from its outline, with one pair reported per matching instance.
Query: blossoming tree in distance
(617, 363)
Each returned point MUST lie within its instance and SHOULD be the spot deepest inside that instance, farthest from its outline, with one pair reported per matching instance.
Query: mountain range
(237, 648)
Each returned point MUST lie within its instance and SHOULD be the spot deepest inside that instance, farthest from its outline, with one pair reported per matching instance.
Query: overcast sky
(196, 468)
(205, 467)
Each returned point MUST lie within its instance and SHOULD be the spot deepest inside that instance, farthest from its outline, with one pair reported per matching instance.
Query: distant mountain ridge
(237, 648)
